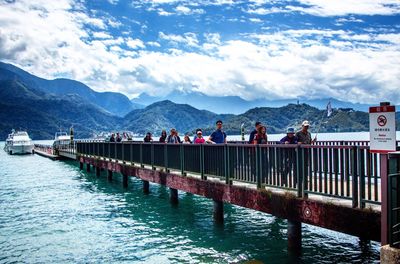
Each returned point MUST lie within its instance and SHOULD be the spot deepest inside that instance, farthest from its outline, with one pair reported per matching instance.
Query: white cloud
(266, 11)
(162, 12)
(102, 35)
(187, 11)
(255, 20)
(189, 38)
(343, 20)
(342, 8)
(53, 41)
(135, 43)
(325, 8)
(113, 2)
(153, 44)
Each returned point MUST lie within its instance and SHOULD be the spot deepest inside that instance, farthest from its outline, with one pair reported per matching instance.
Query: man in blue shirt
(218, 136)
(290, 138)
(254, 132)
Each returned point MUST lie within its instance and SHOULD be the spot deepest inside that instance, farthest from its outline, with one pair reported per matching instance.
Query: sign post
(382, 132)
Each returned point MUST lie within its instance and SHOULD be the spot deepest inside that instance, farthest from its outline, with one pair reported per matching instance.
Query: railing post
(258, 167)
(109, 151)
(226, 175)
(152, 156)
(182, 155)
(361, 164)
(123, 152)
(141, 155)
(300, 170)
(166, 157)
(385, 206)
(354, 171)
(115, 152)
(202, 162)
(131, 153)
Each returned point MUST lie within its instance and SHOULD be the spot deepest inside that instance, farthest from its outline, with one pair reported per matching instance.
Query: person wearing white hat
(304, 136)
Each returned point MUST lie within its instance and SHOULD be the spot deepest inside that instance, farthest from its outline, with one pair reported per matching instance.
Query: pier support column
(81, 165)
(109, 175)
(146, 187)
(98, 171)
(88, 167)
(173, 195)
(125, 180)
(218, 213)
(294, 236)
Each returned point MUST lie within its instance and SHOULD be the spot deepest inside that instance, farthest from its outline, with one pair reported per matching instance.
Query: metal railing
(44, 148)
(394, 200)
(348, 171)
(65, 148)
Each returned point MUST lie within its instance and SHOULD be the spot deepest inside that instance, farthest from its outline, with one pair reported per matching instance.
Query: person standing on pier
(119, 139)
(186, 140)
(172, 138)
(304, 136)
(218, 136)
(163, 137)
(288, 156)
(290, 138)
(254, 132)
(261, 136)
(112, 138)
(199, 137)
(148, 137)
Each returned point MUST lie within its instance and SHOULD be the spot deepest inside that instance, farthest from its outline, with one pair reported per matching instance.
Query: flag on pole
(329, 109)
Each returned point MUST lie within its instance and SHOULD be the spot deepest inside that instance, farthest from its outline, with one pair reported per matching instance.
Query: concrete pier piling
(146, 187)
(88, 167)
(109, 175)
(315, 212)
(98, 171)
(81, 165)
(173, 195)
(125, 180)
(294, 236)
(218, 213)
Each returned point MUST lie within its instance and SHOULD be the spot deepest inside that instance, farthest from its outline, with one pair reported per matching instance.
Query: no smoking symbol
(382, 120)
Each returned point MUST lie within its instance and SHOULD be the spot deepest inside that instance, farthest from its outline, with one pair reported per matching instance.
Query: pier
(338, 185)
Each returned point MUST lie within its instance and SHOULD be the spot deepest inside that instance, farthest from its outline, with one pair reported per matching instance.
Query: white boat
(18, 143)
(61, 140)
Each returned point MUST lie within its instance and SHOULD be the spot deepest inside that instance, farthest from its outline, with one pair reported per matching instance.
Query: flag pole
(328, 114)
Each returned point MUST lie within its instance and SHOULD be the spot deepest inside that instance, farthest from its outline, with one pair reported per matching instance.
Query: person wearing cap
(254, 132)
(199, 137)
(290, 138)
(303, 136)
(218, 136)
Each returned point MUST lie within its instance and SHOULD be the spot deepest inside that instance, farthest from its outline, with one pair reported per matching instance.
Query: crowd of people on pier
(218, 136)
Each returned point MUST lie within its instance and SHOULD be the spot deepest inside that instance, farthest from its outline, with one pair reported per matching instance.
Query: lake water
(51, 212)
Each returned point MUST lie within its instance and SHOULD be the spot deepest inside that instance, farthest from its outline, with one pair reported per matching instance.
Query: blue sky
(349, 50)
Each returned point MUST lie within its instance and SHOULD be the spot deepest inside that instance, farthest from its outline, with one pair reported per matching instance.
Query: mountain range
(44, 106)
(237, 105)
(114, 103)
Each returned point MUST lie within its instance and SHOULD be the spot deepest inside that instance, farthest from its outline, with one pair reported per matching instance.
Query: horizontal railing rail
(347, 171)
(44, 148)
